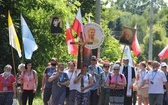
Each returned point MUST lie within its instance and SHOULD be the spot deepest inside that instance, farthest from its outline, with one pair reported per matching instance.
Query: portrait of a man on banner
(127, 35)
(56, 25)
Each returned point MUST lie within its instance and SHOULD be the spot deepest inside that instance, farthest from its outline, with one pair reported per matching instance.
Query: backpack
(101, 76)
(87, 75)
(33, 73)
(121, 76)
(98, 68)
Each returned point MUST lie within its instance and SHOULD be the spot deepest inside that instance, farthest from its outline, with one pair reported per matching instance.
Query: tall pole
(150, 53)
(98, 10)
(13, 60)
(98, 16)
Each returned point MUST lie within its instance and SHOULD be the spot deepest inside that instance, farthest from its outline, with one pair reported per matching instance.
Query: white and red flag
(78, 25)
(72, 48)
(135, 45)
(164, 53)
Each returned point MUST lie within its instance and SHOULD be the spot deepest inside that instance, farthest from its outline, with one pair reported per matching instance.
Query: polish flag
(135, 45)
(72, 48)
(78, 25)
(164, 53)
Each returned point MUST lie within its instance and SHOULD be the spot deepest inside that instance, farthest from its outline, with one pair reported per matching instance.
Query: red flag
(135, 45)
(78, 25)
(72, 49)
(164, 53)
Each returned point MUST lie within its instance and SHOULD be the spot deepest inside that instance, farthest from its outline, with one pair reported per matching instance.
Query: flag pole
(23, 52)
(22, 44)
(122, 55)
(98, 17)
(13, 61)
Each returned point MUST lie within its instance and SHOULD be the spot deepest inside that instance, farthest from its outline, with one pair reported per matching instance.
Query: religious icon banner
(127, 35)
(56, 25)
(93, 33)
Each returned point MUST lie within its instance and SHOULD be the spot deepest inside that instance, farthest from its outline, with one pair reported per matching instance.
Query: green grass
(37, 101)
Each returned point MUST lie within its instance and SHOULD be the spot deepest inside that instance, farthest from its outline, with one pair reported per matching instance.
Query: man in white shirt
(156, 79)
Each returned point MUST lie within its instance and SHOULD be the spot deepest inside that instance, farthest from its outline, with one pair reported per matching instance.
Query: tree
(159, 39)
(111, 49)
(37, 15)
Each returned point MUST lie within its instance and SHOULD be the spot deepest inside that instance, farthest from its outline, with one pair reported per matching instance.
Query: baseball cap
(163, 64)
(53, 59)
(93, 57)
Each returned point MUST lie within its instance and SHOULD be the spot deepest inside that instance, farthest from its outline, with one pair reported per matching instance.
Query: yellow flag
(13, 39)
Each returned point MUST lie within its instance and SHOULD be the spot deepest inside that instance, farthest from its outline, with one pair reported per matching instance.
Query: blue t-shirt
(49, 71)
(98, 70)
(62, 78)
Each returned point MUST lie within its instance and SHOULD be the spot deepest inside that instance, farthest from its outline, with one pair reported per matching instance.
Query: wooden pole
(23, 57)
(81, 44)
(98, 16)
(81, 55)
(13, 60)
(122, 54)
(22, 52)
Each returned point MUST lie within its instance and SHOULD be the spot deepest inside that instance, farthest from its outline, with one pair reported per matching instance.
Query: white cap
(163, 64)
(125, 58)
(116, 66)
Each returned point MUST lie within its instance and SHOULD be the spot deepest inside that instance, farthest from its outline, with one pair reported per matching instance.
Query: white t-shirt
(156, 81)
(86, 83)
(72, 76)
(142, 74)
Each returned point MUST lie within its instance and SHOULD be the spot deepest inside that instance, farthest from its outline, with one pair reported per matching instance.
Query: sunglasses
(116, 69)
(93, 59)
(106, 66)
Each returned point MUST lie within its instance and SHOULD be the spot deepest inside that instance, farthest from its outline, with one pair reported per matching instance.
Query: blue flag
(28, 41)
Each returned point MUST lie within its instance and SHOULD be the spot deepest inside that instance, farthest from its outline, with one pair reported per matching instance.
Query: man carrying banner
(129, 73)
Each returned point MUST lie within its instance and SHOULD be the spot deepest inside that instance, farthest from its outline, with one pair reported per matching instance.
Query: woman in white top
(72, 88)
(143, 91)
(84, 82)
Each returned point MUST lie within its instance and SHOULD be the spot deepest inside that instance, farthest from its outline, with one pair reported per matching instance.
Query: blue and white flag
(28, 41)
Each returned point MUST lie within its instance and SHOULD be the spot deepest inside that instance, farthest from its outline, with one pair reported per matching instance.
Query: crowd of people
(100, 83)
(22, 86)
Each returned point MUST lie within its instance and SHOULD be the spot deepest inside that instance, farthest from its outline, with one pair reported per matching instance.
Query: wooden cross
(81, 44)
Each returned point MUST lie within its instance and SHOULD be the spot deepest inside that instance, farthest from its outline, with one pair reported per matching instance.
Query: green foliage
(38, 101)
(159, 40)
(132, 16)
(110, 49)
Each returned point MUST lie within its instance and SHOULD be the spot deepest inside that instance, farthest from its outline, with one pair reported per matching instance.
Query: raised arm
(53, 77)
